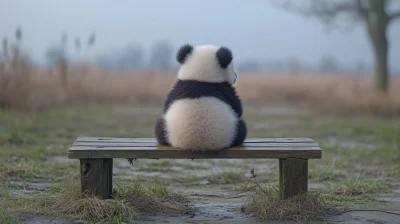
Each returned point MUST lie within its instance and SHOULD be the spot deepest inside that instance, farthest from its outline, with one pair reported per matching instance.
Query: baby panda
(202, 112)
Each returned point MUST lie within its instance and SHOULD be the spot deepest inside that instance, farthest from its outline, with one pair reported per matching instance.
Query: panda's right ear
(183, 52)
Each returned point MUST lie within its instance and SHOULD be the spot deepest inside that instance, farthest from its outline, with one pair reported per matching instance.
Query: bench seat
(96, 158)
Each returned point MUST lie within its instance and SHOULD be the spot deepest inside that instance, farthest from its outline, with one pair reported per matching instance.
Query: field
(26, 87)
(357, 128)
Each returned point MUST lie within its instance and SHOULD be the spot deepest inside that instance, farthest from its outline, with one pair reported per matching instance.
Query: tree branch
(394, 15)
(362, 9)
(327, 10)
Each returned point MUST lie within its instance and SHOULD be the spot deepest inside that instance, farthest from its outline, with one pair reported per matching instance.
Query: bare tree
(18, 34)
(161, 54)
(77, 44)
(375, 14)
(91, 40)
(57, 56)
(294, 65)
(328, 64)
(131, 57)
(5, 47)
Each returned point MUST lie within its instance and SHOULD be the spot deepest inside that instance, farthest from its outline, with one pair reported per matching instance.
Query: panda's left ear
(224, 56)
(183, 52)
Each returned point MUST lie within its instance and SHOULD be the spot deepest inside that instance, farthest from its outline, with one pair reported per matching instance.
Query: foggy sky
(252, 29)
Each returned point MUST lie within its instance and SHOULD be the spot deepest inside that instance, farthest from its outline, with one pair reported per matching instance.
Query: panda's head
(206, 63)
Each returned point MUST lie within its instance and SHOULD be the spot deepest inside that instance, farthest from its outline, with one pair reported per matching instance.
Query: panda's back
(204, 123)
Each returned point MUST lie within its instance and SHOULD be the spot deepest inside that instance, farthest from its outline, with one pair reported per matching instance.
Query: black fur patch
(183, 52)
(195, 89)
(241, 133)
(160, 132)
(224, 56)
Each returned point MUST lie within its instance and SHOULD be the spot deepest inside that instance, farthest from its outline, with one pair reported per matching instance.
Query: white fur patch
(202, 65)
(200, 124)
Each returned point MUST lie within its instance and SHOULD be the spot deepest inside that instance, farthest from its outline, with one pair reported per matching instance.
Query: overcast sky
(252, 29)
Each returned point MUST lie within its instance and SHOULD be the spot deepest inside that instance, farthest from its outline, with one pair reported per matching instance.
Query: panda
(202, 112)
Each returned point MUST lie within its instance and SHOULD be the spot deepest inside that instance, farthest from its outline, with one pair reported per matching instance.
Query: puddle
(18, 189)
(61, 159)
(316, 186)
(31, 219)
(210, 204)
(391, 197)
(366, 217)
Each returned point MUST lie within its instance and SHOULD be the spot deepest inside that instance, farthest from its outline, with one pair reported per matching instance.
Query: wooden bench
(96, 159)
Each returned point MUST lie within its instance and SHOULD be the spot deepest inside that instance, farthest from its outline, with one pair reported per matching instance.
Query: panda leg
(161, 133)
(240, 134)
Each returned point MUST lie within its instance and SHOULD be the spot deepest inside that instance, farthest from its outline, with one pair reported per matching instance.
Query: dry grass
(266, 204)
(70, 202)
(130, 201)
(27, 87)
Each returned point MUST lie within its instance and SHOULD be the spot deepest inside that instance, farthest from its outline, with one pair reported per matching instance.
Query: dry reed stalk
(329, 93)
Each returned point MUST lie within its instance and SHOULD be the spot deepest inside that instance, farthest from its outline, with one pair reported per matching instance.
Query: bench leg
(96, 177)
(293, 177)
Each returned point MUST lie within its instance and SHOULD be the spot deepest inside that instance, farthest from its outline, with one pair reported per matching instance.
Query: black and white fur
(202, 112)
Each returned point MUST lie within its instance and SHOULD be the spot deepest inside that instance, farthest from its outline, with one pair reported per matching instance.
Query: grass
(22, 168)
(130, 200)
(189, 166)
(5, 216)
(266, 204)
(326, 173)
(159, 166)
(225, 178)
(359, 187)
(43, 113)
(33, 150)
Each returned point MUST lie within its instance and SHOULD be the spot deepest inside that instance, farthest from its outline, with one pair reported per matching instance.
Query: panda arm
(167, 103)
(234, 101)
(237, 106)
(172, 96)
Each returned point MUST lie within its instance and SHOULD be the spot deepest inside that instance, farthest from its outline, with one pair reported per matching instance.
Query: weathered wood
(96, 177)
(96, 156)
(248, 140)
(155, 144)
(293, 177)
(160, 153)
(148, 148)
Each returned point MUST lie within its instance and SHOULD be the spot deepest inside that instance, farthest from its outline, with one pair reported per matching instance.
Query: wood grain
(248, 140)
(293, 177)
(154, 144)
(96, 177)
(92, 147)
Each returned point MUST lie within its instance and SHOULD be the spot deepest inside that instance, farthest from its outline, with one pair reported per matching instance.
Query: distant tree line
(293, 65)
(160, 56)
(133, 56)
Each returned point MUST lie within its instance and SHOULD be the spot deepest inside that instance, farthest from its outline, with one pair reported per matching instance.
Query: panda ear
(224, 56)
(183, 52)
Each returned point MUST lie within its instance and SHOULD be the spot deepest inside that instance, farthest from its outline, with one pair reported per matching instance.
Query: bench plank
(92, 147)
(248, 140)
(154, 144)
